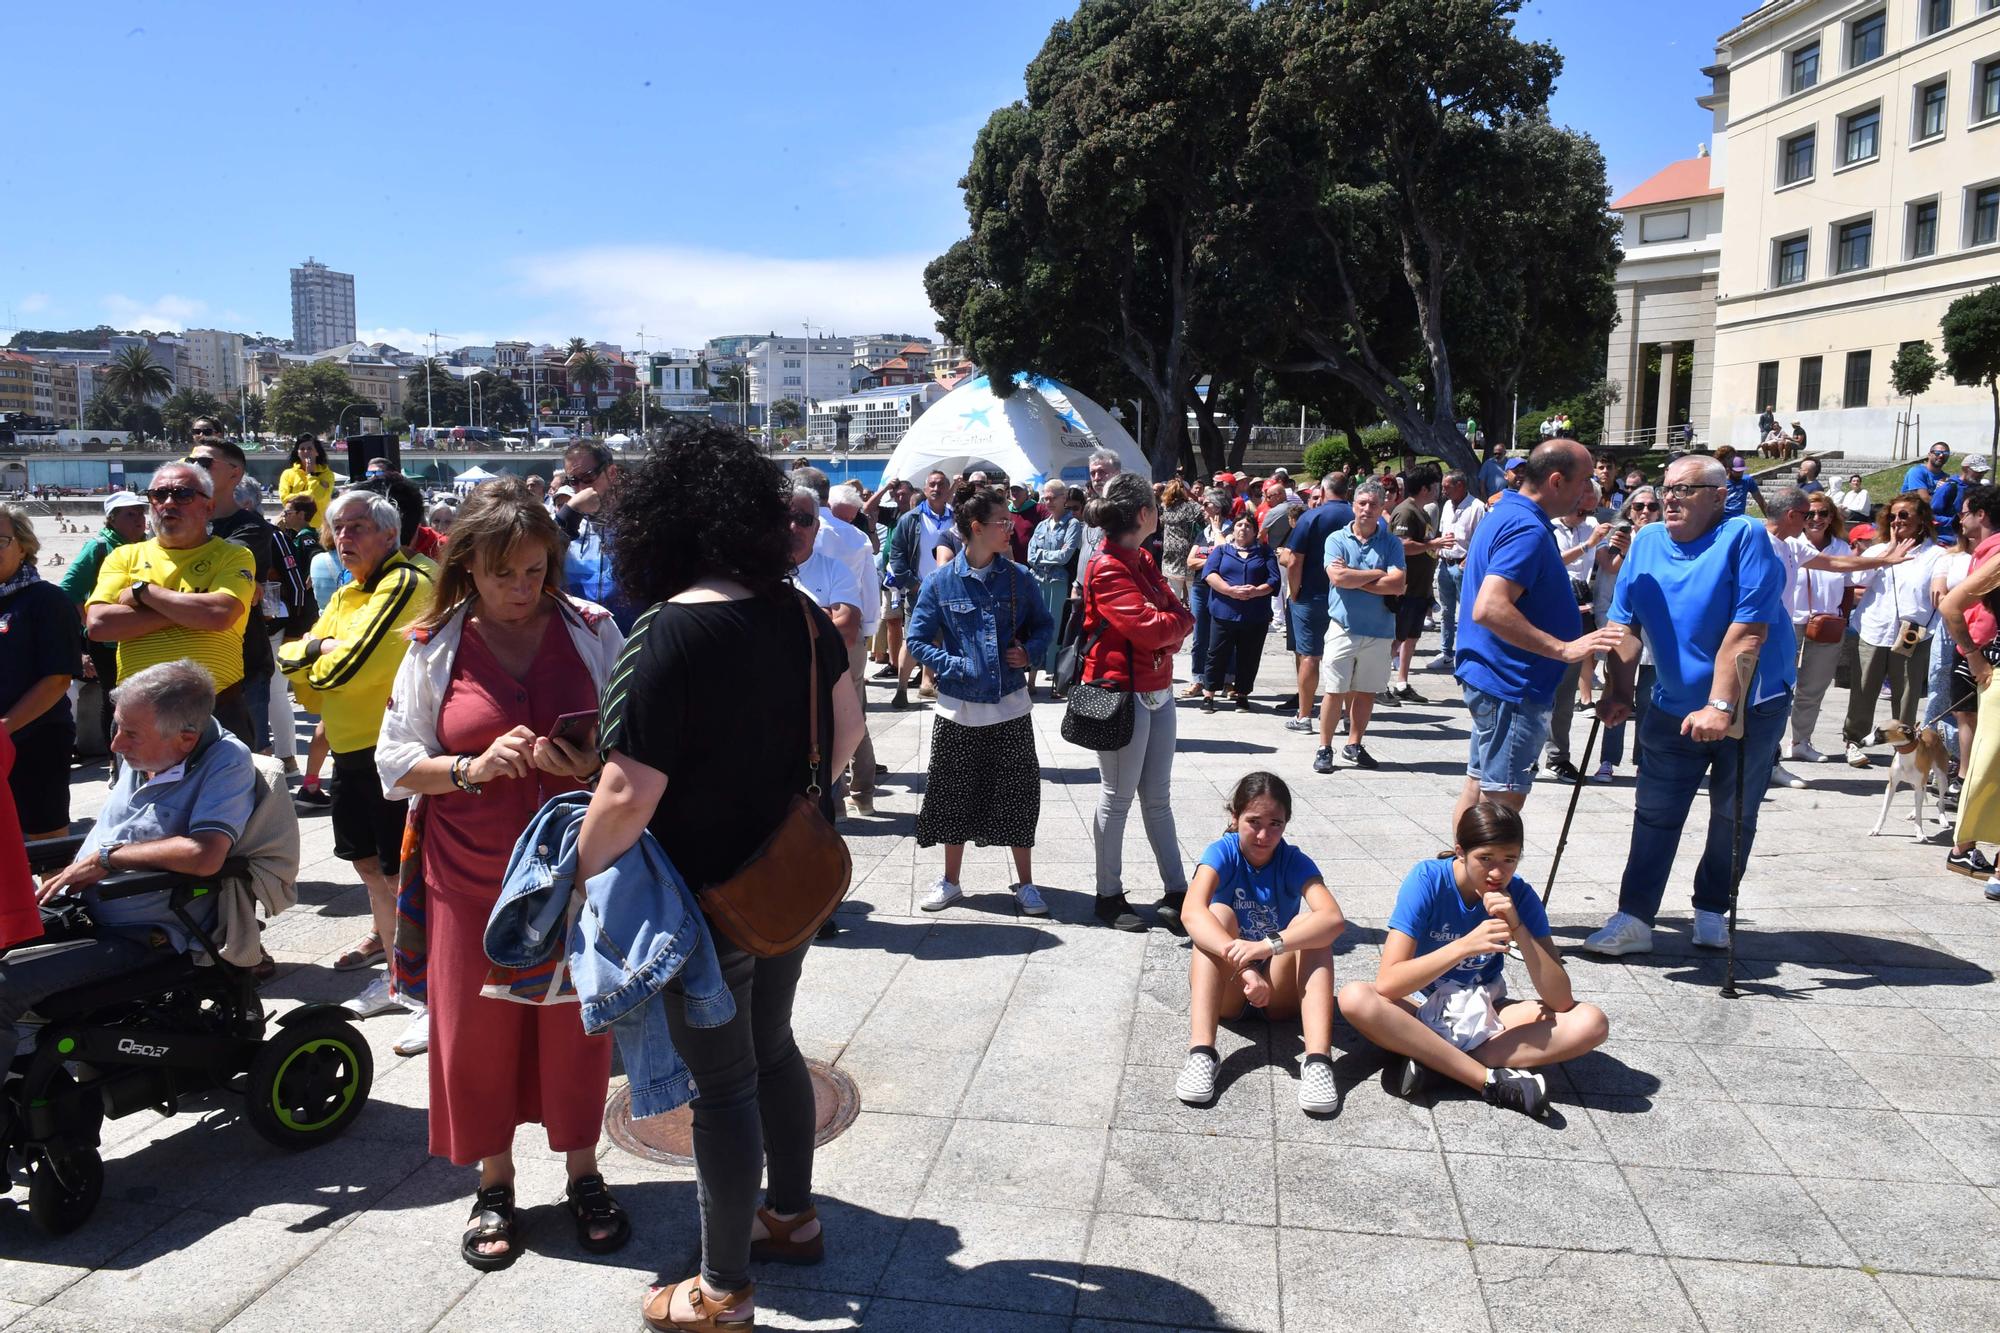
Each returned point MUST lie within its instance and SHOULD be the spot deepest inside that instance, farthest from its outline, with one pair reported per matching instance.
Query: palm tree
(134, 376)
(588, 372)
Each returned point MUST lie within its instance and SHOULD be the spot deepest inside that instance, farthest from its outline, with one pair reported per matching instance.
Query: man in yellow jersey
(183, 594)
(344, 668)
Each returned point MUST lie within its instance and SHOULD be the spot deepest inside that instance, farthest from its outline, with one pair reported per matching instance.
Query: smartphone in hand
(578, 729)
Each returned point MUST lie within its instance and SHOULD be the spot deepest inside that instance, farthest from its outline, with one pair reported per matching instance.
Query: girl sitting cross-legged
(1440, 997)
(1262, 924)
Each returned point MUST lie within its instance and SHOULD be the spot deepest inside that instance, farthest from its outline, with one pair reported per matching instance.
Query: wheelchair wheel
(309, 1081)
(60, 1203)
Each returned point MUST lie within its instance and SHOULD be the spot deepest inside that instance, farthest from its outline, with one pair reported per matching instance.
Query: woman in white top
(1818, 592)
(1897, 608)
(1854, 503)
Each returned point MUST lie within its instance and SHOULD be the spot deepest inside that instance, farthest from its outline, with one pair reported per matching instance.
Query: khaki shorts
(1353, 664)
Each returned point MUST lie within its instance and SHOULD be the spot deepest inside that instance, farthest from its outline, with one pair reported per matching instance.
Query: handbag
(1097, 716)
(780, 897)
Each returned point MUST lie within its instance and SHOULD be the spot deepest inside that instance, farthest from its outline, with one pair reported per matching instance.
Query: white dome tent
(1046, 429)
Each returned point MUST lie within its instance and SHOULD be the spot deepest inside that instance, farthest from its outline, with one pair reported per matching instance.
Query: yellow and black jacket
(350, 685)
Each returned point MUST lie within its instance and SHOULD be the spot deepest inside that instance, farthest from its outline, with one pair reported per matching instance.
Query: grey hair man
(1364, 567)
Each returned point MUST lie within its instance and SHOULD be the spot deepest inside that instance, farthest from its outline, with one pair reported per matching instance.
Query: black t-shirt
(40, 636)
(1412, 522)
(713, 694)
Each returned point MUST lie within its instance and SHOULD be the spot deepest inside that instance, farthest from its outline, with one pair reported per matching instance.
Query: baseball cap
(1280, 472)
(1737, 464)
(123, 500)
(1513, 463)
(1979, 465)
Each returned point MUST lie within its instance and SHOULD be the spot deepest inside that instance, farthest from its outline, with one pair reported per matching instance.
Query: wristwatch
(1722, 706)
(1277, 943)
(139, 593)
(104, 856)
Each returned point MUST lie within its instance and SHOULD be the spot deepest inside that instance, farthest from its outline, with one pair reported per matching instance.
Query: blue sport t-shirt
(1736, 497)
(1683, 596)
(1264, 899)
(1430, 910)
(1360, 612)
(1924, 477)
(1515, 543)
(1308, 539)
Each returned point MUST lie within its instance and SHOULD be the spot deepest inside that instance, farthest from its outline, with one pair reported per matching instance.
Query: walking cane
(1562, 839)
(1746, 667)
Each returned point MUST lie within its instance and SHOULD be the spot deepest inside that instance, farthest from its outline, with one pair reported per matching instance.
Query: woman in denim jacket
(978, 624)
(1052, 552)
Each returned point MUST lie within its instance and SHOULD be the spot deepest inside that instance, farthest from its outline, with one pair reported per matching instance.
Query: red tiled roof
(1686, 179)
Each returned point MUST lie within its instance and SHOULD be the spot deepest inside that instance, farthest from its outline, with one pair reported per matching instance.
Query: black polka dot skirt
(984, 785)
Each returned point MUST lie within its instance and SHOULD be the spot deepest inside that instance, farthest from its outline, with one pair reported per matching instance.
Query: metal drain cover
(670, 1137)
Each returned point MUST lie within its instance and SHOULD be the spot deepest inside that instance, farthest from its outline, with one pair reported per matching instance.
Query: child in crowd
(1262, 924)
(1440, 998)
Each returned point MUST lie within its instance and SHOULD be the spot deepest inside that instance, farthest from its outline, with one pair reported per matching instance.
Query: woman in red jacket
(1124, 591)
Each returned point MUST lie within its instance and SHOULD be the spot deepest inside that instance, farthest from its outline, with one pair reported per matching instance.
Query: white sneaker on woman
(375, 999)
(1318, 1093)
(942, 895)
(1805, 754)
(416, 1038)
(1196, 1084)
(1030, 899)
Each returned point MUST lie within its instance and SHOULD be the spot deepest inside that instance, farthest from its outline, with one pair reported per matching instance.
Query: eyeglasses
(179, 495)
(5, 541)
(1686, 490)
(800, 519)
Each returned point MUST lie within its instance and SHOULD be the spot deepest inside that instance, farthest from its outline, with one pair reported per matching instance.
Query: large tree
(433, 396)
(1971, 329)
(134, 376)
(178, 413)
(498, 402)
(313, 397)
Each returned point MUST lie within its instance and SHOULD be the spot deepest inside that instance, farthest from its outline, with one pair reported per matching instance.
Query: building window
(1767, 386)
(1854, 393)
(1790, 262)
(1986, 91)
(1798, 158)
(1853, 242)
(1664, 226)
(1809, 384)
(1865, 38)
(1937, 16)
(1983, 218)
(1923, 228)
(1803, 71)
(1861, 136)
(1932, 100)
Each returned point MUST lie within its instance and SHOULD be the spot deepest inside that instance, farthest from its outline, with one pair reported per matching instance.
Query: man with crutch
(1705, 592)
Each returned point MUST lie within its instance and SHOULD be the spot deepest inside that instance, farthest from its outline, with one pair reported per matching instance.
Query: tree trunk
(1168, 435)
(1205, 430)
(1249, 405)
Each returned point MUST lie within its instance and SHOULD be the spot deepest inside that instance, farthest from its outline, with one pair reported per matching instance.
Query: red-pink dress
(495, 1064)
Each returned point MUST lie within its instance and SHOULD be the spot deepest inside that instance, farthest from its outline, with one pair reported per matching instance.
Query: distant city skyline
(702, 179)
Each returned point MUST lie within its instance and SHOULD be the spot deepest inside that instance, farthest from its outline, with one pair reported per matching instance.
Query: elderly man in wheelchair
(142, 988)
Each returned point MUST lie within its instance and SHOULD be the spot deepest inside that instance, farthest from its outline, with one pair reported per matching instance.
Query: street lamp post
(342, 417)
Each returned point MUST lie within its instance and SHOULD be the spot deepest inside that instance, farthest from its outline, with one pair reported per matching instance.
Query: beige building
(1859, 147)
(1662, 354)
(55, 393)
(218, 355)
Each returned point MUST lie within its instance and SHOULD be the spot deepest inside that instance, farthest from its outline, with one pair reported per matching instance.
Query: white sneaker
(1622, 934)
(1711, 930)
(1603, 773)
(1030, 899)
(942, 895)
(1784, 777)
(416, 1038)
(1856, 756)
(1805, 754)
(1442, 662)
(1196, 1084)
(1318, 1094)
(377, 998)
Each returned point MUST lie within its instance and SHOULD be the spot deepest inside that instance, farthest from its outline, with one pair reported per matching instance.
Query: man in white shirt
(1458, 520)
(831, 584)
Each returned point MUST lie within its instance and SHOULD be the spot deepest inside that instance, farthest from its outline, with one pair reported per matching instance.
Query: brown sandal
(364, 952)
(780, 1248)
(703, 1315)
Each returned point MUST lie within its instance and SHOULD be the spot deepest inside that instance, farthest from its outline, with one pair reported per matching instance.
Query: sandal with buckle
(778, 1247)
(366, 951)
(591, 1206)
(493, 1218)
(701, 1314)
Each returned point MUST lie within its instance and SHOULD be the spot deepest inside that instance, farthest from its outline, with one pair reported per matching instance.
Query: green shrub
(1323, 456)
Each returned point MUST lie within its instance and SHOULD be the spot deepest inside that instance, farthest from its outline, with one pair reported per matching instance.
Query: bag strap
(812, 698)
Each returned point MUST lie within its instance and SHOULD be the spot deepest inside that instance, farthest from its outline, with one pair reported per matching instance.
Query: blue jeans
(1935, 702)
(1450, 574)
(1674, 769)
(32, 973)
(1506, 740)
(1203, 627)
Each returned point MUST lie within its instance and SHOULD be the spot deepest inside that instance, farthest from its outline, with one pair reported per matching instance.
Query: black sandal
(590, 1205)
(493, 1218)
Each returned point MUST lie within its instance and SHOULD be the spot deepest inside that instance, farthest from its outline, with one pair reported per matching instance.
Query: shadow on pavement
(1792, 964)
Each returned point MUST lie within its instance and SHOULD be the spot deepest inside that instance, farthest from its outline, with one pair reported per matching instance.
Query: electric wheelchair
(179, 1026)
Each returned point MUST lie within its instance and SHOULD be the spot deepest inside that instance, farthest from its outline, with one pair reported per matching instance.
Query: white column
(1664, 421)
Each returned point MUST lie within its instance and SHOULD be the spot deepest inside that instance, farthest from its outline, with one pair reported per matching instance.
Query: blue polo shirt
(1308, 540)
(1683, 596)
(1923, 477)
(1516, 543)
(1362, 613)
(1736, 501)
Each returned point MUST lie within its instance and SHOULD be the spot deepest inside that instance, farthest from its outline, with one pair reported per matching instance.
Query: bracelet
(459, 767)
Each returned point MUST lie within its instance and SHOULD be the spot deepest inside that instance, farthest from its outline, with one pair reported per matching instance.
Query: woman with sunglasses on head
(308, 474)
(1642, 506)
(1817, 592)
(1896, 617)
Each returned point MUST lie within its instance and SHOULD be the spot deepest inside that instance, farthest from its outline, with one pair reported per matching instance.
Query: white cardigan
(409, 726)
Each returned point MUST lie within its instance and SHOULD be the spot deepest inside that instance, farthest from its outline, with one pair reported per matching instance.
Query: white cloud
(159, 314)
(419, 340)
(683, 295)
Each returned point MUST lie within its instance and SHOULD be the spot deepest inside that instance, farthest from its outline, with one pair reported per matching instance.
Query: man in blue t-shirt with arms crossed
(1519, 627)
(1704, 591)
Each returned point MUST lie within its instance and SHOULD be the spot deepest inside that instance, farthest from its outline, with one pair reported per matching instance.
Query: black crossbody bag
(1098, 715)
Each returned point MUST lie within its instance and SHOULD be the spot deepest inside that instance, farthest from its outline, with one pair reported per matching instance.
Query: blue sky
(508, 170)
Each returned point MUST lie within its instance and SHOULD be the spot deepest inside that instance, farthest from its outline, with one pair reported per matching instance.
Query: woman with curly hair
(1181, 524)
(712, 784)
(308, 474)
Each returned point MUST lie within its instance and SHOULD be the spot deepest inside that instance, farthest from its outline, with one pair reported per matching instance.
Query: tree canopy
(134, 376)
(1971, 328)
(313, 397)
(1359, 205)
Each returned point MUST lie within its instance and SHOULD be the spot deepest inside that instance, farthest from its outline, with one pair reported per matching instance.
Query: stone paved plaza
(1821, 1153)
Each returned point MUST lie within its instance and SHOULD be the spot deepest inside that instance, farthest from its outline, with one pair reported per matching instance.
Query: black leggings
(754, 1109)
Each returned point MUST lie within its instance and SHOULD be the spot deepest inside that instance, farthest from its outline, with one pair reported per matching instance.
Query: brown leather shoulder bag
(786, 890)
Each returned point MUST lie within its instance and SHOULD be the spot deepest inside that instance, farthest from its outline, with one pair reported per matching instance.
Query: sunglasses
(205, 464)
(206, 430)
(583, 478)
(801, 519)
(1818, 515)
(179, 495)
(1645, 507)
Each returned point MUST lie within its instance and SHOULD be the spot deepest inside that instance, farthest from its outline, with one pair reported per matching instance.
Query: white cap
(123, 500)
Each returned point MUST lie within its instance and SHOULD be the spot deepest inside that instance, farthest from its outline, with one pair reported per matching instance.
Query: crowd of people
(472, 668)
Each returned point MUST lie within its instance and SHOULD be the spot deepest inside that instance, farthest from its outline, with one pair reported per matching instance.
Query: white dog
(1919, 754)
